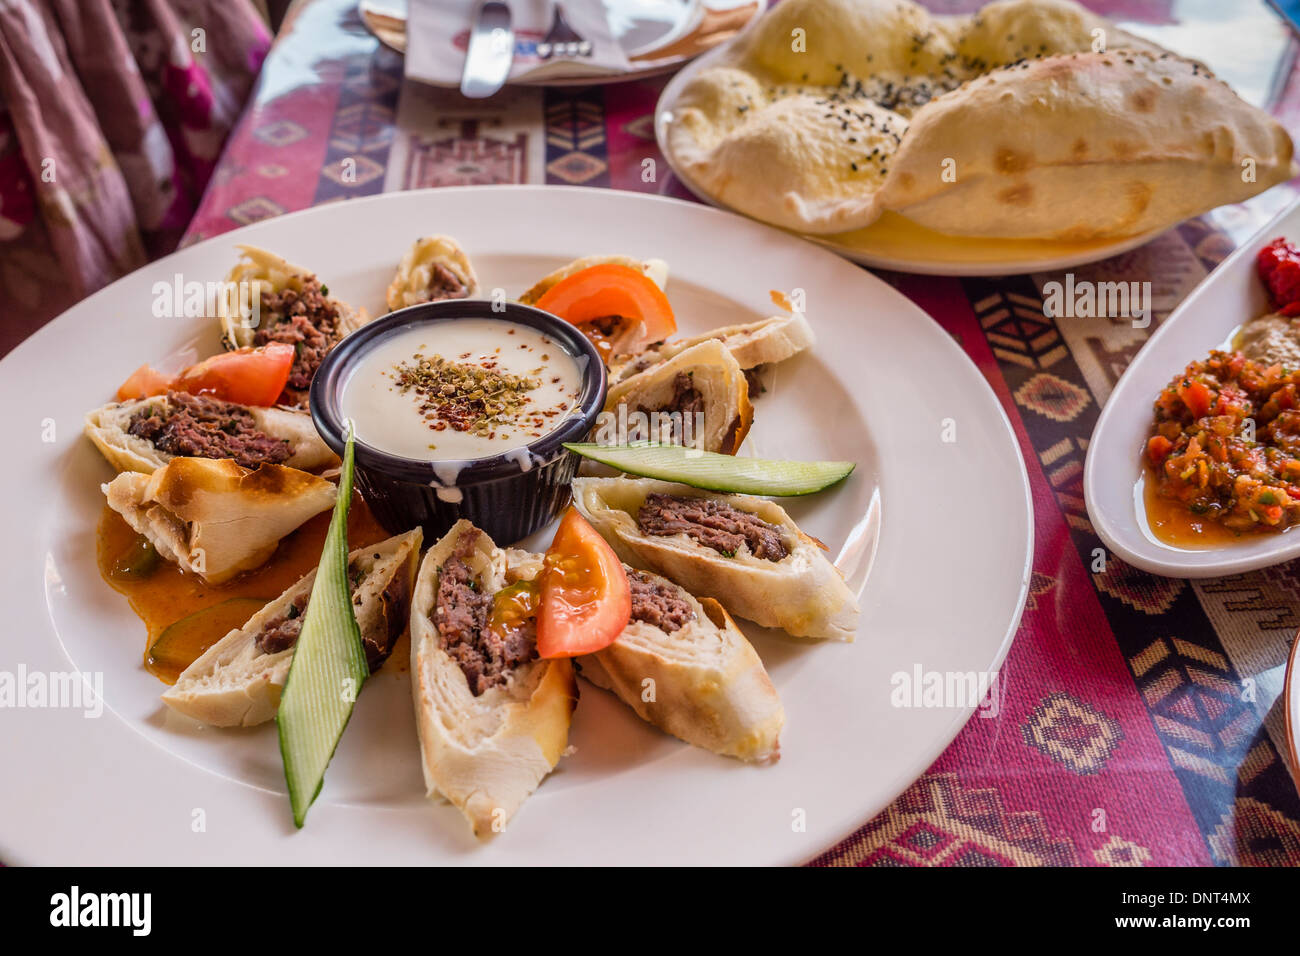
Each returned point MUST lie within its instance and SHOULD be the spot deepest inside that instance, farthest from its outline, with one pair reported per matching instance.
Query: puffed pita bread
(803, 593)
(212, 517)
(714, 373)
(107, 428)
(236, 684)
(655, 269)
(484, 754)
(1009, 31)
(411, 283)
(258, 271)
(792, 162)
(817, 41)
(751, 344)
(831, 112)
(1085, 146)
(710, 687)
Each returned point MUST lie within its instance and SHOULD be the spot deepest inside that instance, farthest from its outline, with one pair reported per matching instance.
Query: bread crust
(411, 281)
(708, 686)
(106, 427)
(264, 271)
(234, 684)
(484, 754)
(1084, 146)
(1006, 123)
(213, 518)
(715, 373)
(751, 344)
(803, 594)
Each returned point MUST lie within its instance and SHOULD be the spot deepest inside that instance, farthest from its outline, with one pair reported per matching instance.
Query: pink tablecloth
(1139, 723)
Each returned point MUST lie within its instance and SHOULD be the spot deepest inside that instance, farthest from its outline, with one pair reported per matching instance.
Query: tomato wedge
(249, 376)
(610, 291)
(585, 598)
(144, 382)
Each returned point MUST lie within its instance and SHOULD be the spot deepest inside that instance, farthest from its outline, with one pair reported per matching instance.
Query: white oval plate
(893, 242)
(1230, 295)
(132, 785)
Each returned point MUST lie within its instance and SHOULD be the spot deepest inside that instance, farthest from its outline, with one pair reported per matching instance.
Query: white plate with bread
(1028, 136)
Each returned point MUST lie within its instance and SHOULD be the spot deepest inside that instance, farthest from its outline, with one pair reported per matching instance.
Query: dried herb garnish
(462, 396)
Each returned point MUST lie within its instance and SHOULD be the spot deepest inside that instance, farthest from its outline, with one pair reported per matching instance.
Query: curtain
(112, 117)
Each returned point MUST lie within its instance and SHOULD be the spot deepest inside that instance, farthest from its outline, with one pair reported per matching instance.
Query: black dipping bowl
(494, 493)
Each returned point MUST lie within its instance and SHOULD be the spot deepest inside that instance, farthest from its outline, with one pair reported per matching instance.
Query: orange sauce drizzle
(169, 594)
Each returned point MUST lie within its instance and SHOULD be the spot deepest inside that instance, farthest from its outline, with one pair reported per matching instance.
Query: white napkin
(437, 35)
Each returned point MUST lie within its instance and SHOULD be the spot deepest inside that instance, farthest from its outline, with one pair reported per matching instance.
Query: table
(1138, 723)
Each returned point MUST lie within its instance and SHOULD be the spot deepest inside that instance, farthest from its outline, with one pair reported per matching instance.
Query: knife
(491, 51)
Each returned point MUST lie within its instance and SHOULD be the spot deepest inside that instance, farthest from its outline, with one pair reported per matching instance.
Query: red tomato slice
(586, 601)
(143, 383)
(250, 376)
(609, 289)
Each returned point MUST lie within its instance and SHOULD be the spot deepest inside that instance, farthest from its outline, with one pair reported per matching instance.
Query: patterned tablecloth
(1139, 723)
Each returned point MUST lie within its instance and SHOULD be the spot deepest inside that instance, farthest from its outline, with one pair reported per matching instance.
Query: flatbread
(831, 112)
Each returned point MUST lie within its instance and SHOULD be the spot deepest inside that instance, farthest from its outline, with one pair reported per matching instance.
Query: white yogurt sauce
(415, 422)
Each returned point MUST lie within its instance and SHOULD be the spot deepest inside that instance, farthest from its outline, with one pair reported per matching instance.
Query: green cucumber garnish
(185, 641)
(137, 562)
(328, 667)
(714, 472)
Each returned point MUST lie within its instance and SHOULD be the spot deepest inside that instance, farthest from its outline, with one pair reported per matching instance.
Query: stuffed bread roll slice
(289, 304)
(145, 434)
(709, 687)
(214, 518)
(433, 269)
(699, 397)
(237, 681)
(751, 344)
(492, 719)
(654, 269)
(742, 551)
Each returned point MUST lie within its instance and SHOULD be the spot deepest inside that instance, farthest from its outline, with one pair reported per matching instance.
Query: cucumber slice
(714, 472)
(328, 667)
(137, 562)
(183, 642)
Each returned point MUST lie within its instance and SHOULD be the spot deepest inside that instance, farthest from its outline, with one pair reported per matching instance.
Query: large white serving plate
(950, 525)
(1230, 295)
(893, 242)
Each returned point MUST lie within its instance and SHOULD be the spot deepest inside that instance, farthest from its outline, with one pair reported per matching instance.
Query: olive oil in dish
(461, 390)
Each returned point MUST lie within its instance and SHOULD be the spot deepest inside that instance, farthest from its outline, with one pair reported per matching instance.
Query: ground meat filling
(714, 524)
(307, 320)
(461, 613)
(194, 426)
(283, 630)
(604, 333)
(445, 284)
(658, 603)
(686, 401)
